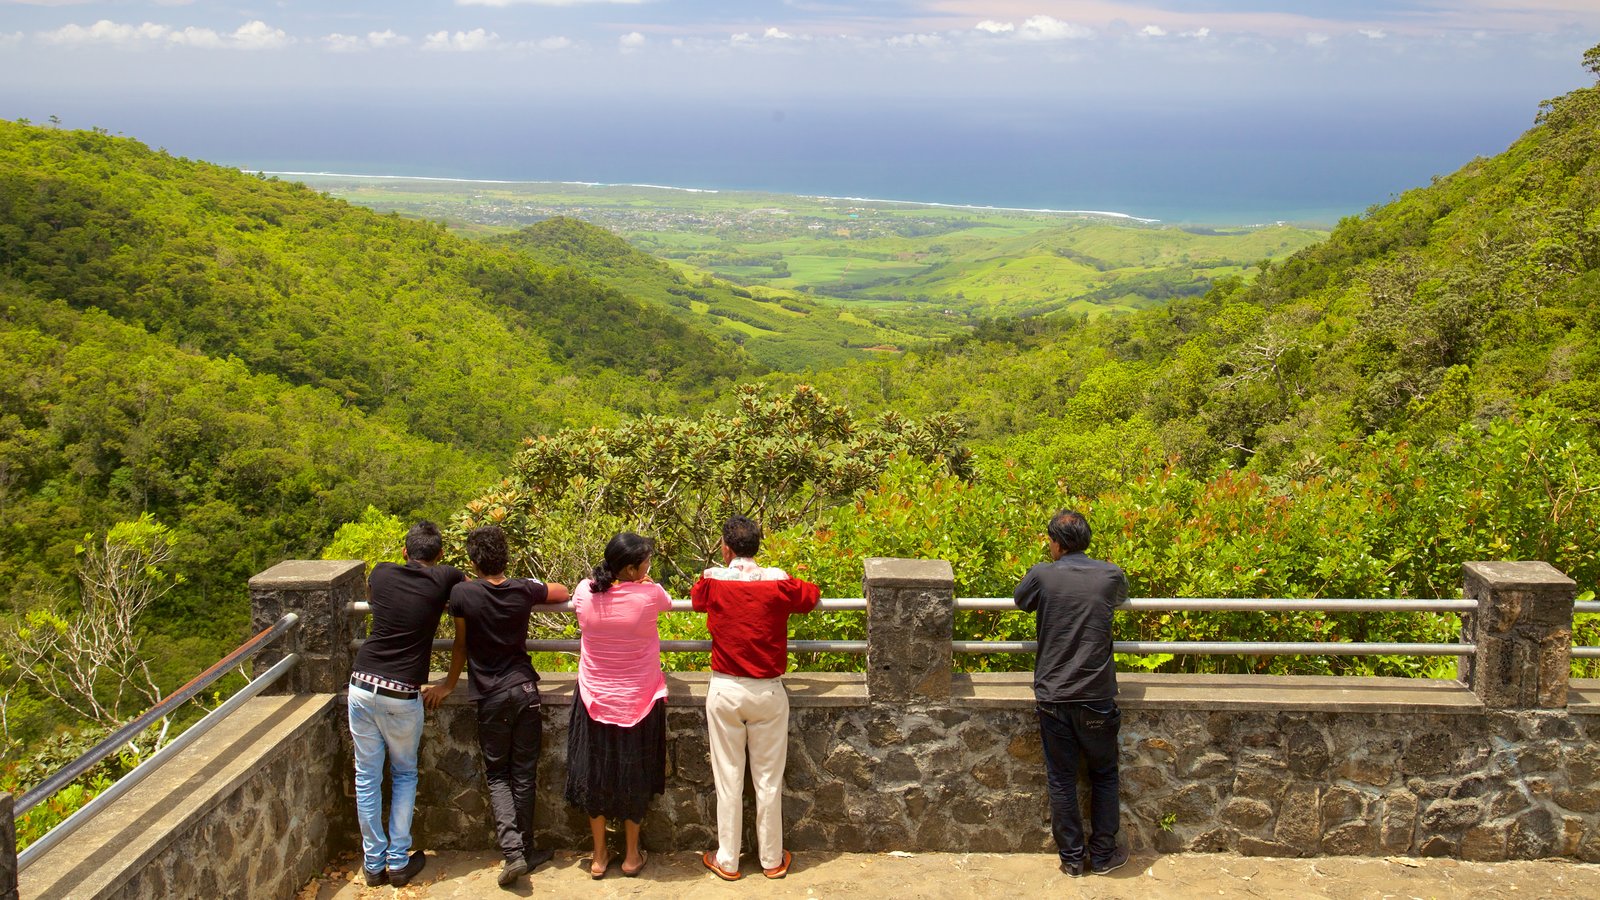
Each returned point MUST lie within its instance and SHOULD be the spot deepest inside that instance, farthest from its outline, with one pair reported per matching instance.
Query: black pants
(1088, 731)
(509, 735)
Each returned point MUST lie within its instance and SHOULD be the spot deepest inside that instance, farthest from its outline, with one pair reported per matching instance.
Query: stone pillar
(8, 847)
(1523, 631)
(319, 590)
(910, 621)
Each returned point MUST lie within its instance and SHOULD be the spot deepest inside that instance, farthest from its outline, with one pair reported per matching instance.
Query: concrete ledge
(688, 689)
(1583, 697)
(156, 819)
(885, 572)
(1275, 693)
(306, 574)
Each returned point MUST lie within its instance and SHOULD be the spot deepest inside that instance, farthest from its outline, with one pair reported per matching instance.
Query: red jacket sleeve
(700, 595)
(803, 596)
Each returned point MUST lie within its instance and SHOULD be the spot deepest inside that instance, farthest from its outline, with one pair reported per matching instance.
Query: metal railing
(125, 735)
(1147, 604)
(1582, 652)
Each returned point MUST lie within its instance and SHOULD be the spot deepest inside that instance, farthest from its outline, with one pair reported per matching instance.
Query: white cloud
(253, 35)
(994, 27)
(1050, 28)
(461, 41)
(1152, 31)
(105, 31)
(10, 40)
(776, 34)
(916, 40)
(374, 40)
(546, 2)
(555, 43)
(191, 36)
(344, 43)
(1316, 39)
(1376, 34)
(1198, 34)
(386, 38)
(631, 41)
(258, 35)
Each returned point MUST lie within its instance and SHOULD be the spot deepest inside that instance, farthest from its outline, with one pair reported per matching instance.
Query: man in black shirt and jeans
(491, 615)
(384, 706)
(1074, 687)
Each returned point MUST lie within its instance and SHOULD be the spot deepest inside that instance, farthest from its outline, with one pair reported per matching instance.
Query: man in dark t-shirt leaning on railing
(385, 707)
(1075, 689)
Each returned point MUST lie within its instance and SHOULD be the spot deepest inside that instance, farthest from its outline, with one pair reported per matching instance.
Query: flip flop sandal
(644, 860)
(781, 870)
(710, 861)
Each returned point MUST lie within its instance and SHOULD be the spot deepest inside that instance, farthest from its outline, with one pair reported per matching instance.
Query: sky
(329, 83)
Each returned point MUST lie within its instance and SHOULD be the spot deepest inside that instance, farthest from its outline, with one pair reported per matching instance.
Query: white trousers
(748, 716)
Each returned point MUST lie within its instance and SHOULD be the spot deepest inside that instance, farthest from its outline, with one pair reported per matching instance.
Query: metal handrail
(572, 646)
(1246, 604)
(826, 604)
(1586, 606)
(1238, 648)
(127, 782)
(124, 735)
(1586, 652)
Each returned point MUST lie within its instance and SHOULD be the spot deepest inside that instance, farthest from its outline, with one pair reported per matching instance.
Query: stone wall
(1442, 778)
(254, 808)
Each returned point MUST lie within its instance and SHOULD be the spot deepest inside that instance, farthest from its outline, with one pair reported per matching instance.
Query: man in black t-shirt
(1075, 689)
(491, 615)
(385, 708)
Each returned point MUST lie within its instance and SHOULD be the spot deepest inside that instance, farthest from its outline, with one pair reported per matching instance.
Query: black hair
(1070, 531)
(623, 550)
(424, 543)
(742, 535)
(486, 547)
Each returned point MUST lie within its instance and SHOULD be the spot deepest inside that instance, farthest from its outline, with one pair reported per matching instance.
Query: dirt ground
(952, 875)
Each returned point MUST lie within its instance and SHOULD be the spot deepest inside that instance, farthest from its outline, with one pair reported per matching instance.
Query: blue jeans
(382, 725)
(1086, 731)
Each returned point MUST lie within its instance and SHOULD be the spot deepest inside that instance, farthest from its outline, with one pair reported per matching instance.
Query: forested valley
(203, 372)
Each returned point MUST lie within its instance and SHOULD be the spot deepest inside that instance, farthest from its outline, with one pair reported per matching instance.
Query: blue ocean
(1217, 165)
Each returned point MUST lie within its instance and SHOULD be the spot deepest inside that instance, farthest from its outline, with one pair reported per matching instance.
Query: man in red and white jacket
(747, 611)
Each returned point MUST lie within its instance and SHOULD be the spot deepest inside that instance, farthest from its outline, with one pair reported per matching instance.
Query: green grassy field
(910, 272)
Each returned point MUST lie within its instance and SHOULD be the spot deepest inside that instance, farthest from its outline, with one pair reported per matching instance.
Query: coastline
(688, 190)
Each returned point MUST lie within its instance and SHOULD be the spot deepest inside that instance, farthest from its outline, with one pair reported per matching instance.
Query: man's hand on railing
(434, 694)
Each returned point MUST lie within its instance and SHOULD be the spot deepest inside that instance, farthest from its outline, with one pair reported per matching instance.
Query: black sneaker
(511, 870)
(1114, 862)
(1073, 869)
(537, 858)
(376, 879)
(402, 877)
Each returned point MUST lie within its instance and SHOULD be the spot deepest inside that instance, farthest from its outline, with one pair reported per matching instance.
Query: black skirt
(614, 770)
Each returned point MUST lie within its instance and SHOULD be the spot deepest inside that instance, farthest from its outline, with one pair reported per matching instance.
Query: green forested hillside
(252, 363)
(396, 317)
(1455, 304)
(782, 330)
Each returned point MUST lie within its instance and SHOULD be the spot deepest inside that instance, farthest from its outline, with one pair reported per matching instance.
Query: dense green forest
(237, 366)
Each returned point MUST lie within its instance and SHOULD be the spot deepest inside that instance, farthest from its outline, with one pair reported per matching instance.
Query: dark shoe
(1112, 863)
(376, 879)
(1073, 869)
(537, 858)
(402, 877)
(511, 870)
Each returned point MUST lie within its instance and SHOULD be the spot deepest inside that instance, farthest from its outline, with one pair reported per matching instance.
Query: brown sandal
(782, 869)
(644, 860)
(710, 861)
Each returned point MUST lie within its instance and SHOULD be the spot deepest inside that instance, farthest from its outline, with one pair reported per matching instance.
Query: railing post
(8, 847)
(318, 590)
(910, 621)
(1523, 631)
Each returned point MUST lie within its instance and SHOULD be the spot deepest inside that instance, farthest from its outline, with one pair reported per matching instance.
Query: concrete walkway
(962, 875)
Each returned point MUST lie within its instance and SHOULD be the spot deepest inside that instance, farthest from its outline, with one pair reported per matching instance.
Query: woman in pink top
(617, 740)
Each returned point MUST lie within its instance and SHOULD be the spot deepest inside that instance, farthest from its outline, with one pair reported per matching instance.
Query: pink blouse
(619, 667)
